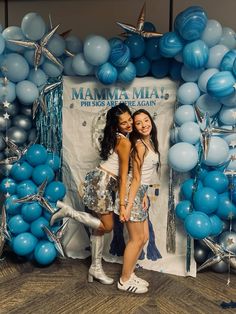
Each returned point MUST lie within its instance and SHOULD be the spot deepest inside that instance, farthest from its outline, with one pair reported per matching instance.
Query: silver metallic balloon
(5, 169)
(11, 108)
(17, 135)
(22, 121)
(200, 254)
(220, 267)
(228, 240)
(26, 110)
(4, 123)
(2, 142)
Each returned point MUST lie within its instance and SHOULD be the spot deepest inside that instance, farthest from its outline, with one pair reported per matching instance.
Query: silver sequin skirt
(100, 188)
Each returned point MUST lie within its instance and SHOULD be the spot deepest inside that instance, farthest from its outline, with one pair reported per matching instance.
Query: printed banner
(85, 103)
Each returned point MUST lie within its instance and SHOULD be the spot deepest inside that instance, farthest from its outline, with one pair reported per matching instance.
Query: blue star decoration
(38, 197)
(4, 234)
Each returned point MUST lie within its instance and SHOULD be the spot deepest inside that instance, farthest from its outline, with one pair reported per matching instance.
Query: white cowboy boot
(68, 211)
(95, 270)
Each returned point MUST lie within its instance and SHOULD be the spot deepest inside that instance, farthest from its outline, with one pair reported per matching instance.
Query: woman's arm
(123, 151)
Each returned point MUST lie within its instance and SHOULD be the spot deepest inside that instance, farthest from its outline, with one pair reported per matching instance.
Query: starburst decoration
(38, 197)
(4, 234)
(40, 48)
(139, 28)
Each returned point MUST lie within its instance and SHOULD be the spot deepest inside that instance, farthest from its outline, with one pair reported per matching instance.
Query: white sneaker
(131, 286)
(139, 280)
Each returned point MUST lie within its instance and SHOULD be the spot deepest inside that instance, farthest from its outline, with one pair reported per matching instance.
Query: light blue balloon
(189, 74)
(52, 69)
(80, 66)
(38, 77)
(182, 157)
(27, 92)
(216, 180)
(2, 44)
(18, 225)
(96, 50)
(218, 151)
(228, 38)
(170, 44)
(29, 56)
(195, 54)
(74, 44)
(188, 93)
(227, 116)
(37, 225)
(189, 132)
(56, 45)
(204, 78)
(216, 225)
(182, 209)
(24, 243)
(106, 73)
(198, 225)
(206, 103)
(17, 67)
(33, 26)
(232, 164)
(45, 253)
(13, 33)
(221, 84)
(67, 64)
(184, 114)
(228, 61)
(126, 74)
(216, 55)
(229, 101)
(191, 22)
(7, 92)
(187, 188)
(212, 33)
(205, 200)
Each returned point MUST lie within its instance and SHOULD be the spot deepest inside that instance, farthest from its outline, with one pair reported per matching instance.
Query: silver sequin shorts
(100, 188)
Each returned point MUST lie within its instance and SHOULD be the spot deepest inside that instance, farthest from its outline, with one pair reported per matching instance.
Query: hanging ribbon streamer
(171, 223)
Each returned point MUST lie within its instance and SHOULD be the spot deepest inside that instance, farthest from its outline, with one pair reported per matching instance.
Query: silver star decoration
(40, 101)
(139, 28)
(6, 116)
(219, 254)
(19, 152)
(56, 237)
(6, 104)
(38, 197)
(4, 234)
(40, 48)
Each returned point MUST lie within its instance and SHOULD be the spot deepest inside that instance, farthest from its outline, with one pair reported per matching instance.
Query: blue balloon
(54, 161)
(149, 27)
(17, 67)
(18, 225)
(13, 33)
(96, 50)
(25, 188)
(33, 26)
(29, 56)
(195, 54)
(27, 92)
(182, 209)
(216, 55)
(212, 33)
(8, 185)
(55, 191)
(36, 155)
(56, 45)
(126, 74)
(120, 55)
(184, 114)
(187, 188)
(208, 104)
(68, 70)
(51, 69)
(191, 22)
(198, 225)
(218, 152)
(189, 132)
(204, 78)
(2, 44)
(229, 101)
(182, 157)
(226, 208)
(216, 225)
(142, 66)
(106, 73)
(228, 61)
(80, 66)
(74, 44)
(188, 93)
(115, 41)
(216, 180)
(228, 38)
(45, 252)
(232, 164)
(37, 225)
(152, 51)
(24, 243)
(31, 211)
(201, 172)
(136, 45)
(227, 116)
(205, 200)
(7, 92)
(21, 171)
(12, 207)
(175, 70)
(38, 77)
(221, 84)
(170, 44)
(189, 74)
(160, 68)
(42, 173)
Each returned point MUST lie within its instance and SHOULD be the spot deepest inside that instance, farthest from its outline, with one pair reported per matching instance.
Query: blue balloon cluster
(26, 220)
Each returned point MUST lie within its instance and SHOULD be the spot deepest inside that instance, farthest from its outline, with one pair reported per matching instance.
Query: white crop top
(149, 166)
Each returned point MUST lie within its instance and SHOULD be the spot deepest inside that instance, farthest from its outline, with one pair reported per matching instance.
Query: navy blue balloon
(136, 45)
(25, 188)
(191, 22)
(149, 27)
(216, 180)
(195, 54)
(21, 171)
(160, 68)
(221, 84)
(175, 70)
(18, 225)
(106, 73)
(228, 61)
(120, 55)
(182, 209)
(8, 185)
(152, 50)
(37, 225)
(45, 252)
(206, 200)
(24, 243)
(55, 191)
(142, 66)
(171, 44)
(187, 187)
(198, 225)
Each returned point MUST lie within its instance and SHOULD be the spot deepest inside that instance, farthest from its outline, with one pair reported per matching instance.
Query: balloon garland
(199, 53)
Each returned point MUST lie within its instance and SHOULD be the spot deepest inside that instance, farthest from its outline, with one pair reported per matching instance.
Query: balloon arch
(199, 53)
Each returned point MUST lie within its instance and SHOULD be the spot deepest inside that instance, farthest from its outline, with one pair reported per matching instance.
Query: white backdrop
(85, 102)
